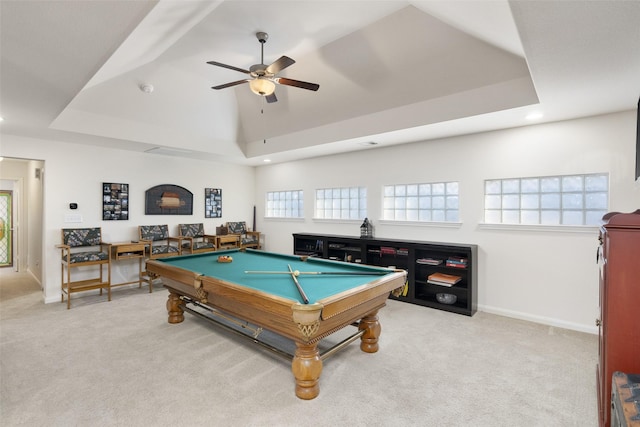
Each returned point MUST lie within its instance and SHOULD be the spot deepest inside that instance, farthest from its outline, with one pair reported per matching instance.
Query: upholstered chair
(160, 244)
(194, 240)
(248, 239)
(83, 247)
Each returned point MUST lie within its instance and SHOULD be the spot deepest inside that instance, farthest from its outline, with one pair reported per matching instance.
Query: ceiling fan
(263, 78)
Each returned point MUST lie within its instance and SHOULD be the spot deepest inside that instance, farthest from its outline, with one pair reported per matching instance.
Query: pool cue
(317, 273)
(295, 280)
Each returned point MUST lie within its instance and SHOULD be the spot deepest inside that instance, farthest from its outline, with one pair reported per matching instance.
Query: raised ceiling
(390, 72)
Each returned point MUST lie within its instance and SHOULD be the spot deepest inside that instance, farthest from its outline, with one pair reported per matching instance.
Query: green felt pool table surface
(316, 287)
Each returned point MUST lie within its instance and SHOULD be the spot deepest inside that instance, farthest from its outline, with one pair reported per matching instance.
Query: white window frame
(428, 202)
(340, 203)
(577, 200)
(284, 204)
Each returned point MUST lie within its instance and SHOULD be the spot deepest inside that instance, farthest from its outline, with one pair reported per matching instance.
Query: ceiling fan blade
(226, 85)
(271, 98)
(280, 64)
(231, 67)
(297, 83)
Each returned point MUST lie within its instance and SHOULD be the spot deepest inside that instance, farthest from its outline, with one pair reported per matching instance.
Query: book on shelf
(429, 261)
(455, 265)
(435, 282)
(386, 250)
(443, 279)
(456, 262)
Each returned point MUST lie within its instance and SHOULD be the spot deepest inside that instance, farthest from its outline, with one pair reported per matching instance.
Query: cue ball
(296, 273)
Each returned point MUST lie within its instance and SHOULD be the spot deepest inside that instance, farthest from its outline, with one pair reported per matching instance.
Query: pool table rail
(168, 271)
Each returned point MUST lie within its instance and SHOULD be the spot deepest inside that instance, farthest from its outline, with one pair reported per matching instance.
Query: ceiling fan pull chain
(264, 139)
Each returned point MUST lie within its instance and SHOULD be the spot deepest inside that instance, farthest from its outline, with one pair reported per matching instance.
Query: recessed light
(534, 116)
(267, 160)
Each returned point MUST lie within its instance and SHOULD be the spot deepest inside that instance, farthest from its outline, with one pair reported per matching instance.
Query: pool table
(259, 287)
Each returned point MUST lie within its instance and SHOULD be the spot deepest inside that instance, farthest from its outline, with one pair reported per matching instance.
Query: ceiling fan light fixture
(261, 86)
(264, 77)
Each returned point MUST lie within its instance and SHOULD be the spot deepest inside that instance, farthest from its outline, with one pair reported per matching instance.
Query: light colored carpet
(120, 363)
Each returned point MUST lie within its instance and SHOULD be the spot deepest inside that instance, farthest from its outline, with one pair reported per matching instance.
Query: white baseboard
(540, 319)
(46, 300)
(34, 277)
(49, 300)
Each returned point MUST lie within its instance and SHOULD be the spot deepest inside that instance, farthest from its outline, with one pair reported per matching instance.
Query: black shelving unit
(420, 259)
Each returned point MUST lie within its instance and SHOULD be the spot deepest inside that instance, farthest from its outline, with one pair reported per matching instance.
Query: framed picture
(168, 199)
(212, 203)
(115, 201)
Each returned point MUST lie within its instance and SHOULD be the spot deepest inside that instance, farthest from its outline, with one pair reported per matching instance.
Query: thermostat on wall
(73, 206)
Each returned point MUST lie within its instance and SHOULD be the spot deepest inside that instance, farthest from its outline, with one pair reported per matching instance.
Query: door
(6, 227)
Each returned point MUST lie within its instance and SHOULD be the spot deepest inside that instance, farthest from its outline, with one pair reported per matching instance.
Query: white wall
(34, 219)
(75, 173)
(545, 275)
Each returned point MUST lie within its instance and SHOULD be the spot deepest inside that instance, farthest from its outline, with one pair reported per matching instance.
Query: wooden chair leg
(68, 287)
(108, 280)
(62, 283)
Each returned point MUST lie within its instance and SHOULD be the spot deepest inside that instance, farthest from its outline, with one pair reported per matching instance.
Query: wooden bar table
(227, 241)
(129, 250)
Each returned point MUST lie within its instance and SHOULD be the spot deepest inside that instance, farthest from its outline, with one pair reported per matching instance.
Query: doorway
(22, 251)
(6, 228)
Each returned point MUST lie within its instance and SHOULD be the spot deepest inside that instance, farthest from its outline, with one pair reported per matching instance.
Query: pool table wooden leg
(372, 329)
(176, 314)
(306, 367)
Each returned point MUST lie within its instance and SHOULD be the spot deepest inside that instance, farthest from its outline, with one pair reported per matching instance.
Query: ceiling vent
(166, 151)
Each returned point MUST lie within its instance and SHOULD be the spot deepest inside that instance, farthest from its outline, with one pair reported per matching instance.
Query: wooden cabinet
(419, 259)
(619, 322)
(450, 258)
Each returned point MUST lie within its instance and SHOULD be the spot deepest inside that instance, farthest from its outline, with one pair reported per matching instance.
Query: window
(551, 200)
(430, 202)
(285, 204)
(341, 203)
